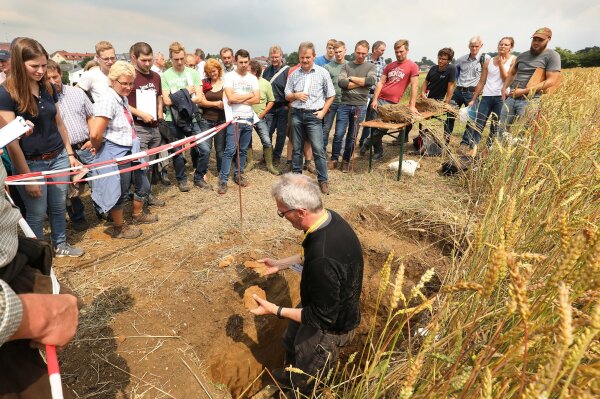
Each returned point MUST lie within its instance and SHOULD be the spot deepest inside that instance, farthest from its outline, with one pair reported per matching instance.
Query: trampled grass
(519, 315)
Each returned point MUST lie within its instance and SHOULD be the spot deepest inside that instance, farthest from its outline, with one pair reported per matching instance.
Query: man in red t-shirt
(391, 87)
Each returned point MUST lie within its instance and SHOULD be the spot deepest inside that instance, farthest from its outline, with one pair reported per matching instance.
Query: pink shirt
(397, 79)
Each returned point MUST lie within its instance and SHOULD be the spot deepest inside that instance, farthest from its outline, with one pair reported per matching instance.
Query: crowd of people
(120, 108)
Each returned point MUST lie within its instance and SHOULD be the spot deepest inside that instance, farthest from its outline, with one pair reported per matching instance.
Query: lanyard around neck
(129, 118)
(312, 228)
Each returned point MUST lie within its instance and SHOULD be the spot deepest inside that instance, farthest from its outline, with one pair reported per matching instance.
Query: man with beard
(146, 88)
(523, 100)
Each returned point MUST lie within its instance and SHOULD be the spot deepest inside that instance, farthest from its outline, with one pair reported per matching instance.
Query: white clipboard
(13, 131)
(145, 101)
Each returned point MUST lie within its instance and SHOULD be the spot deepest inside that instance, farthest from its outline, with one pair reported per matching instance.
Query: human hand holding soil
(265, 307)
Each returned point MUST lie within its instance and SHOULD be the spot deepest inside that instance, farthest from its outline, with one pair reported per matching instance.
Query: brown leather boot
(139, 217)
(345, 166)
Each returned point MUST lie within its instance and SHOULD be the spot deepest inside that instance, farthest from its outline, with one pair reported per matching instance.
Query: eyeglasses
(126, 84)
(106, 59)
(282, 214)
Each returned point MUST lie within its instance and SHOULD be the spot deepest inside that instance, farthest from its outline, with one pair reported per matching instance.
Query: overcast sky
(255, 25)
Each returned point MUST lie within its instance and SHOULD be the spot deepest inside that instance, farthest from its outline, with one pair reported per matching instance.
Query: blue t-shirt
(322, 61)
(45, 137)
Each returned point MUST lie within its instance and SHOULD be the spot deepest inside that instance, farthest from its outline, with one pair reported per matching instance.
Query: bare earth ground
(164, 319)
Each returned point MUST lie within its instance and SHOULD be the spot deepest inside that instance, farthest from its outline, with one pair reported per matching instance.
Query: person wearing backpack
(468, 68)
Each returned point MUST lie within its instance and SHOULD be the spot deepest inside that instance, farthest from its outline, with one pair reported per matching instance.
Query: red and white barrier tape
(184, 144)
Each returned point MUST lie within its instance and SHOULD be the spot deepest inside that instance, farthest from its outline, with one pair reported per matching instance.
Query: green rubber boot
(249, 160)
(268, 152)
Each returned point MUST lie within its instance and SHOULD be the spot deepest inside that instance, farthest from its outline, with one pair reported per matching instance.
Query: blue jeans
(52, 201)
(459, 98)
(141, 184)
(76, 210)
(201, 151)
(521, 108)
(262, 128)
(244, 136)
(219, 139)
(345, 121)
(328, 123)
(277, 119)
(306, 126)
(489, 105)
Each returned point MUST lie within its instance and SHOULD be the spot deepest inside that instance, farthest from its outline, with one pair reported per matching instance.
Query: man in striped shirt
(77, 112)
(311, 93)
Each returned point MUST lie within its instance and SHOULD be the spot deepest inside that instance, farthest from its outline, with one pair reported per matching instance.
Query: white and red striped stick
(51, 357)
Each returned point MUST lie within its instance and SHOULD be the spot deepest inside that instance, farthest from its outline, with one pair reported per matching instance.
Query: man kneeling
(331, 261)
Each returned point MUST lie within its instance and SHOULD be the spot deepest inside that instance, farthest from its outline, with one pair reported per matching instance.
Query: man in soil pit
(331, 264)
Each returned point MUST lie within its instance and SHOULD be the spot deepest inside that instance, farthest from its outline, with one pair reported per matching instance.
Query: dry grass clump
(395, 113)
(399, 113)
(519, 315)
(435, 106)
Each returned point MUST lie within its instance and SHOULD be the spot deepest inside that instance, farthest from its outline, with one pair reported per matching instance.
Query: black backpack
(427, 144)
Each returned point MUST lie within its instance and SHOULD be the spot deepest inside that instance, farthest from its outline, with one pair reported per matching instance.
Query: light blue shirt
(321, 87)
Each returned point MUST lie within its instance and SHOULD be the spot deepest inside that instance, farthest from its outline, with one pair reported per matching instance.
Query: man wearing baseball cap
(4, 64)
(533, 73)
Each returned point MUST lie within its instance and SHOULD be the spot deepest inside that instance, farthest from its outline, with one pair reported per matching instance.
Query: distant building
(70, 58)
(123, 57)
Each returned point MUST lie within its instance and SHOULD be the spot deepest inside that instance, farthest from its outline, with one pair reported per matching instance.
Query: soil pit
(183, 326)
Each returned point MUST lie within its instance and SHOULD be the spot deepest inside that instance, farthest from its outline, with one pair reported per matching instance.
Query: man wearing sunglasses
(331, 261)
(95, 80)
